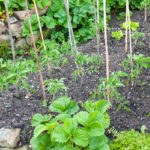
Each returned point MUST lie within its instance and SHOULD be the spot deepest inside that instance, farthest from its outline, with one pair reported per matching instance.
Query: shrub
(131, 140)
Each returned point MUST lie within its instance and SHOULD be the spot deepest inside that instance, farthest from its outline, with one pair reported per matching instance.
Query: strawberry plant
(70, 129)
(117, 35)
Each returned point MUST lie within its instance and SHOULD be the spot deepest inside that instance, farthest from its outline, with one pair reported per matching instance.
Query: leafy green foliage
(113, 84)
(55, 54)
(16, 74)
(139, 63)
(117, 35)
(133, 25)
(64, 105)
(122, 15)
(84, 130)
(131, 140)
(136, 36)
(53, 86)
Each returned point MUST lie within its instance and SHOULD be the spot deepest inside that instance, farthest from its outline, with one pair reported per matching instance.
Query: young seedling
(54, 86)
(117, 35)
(113, 84)
(139, 62)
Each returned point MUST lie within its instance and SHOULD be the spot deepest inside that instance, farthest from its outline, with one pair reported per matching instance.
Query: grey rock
(13, 20)
(21, 44)
(29, 39)
(25, 147)
(9, 137)
(16, 29)
(2, 27)
(4, 38)
(22, 15)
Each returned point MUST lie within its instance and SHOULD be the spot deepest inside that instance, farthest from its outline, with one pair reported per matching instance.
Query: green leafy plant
(117, 35)
(139, 62)
(16, 74)
(122, 15)
(55, 54)
(113, 84)
(131, 140)
(93, 62)
(53, 86)
(136, 36)
(69, 131)
(134, 25)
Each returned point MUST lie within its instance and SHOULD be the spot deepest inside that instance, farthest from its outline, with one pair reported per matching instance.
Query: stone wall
(16, 25)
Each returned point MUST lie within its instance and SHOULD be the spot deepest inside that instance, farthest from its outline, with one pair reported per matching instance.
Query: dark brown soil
(16, 112)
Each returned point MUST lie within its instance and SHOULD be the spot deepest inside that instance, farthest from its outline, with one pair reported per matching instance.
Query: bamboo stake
(98, 20)
(131, 51)
(126, 36)
(40, 28)
(10, 33)
(145, 10)
(71, 43)
(96, 26)
(70, 26)
(36, 52)
(106, 47)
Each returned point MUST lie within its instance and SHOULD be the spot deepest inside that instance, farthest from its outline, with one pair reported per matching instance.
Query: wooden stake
(36, 52)
(97, 37)
(126, 36)
(40, 28)
(70, 26)
(106, 47)
(10, 33)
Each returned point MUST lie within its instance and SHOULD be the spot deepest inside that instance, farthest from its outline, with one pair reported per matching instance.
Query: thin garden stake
(129, 21)
(70, 26)
(40, 28)
(36, 52)
(70, 39)
(106, 47)
(96, 26)
(145, 12)
(98, 20)
(10, 33)
(126, 33)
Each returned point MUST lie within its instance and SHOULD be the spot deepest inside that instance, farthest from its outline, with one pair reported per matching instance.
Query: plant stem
(36, 53)
(10, 33)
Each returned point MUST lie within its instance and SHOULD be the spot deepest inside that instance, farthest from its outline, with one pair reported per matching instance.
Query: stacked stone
(16, 25)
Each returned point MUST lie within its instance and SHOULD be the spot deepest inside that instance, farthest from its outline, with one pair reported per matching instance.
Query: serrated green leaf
(70, 125)
(38, 118)
(42, 142)
(82, 117)
(39, 129)
(80, 138)
(59, 135)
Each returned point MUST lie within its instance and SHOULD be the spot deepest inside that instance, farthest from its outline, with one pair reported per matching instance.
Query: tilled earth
(16, 112)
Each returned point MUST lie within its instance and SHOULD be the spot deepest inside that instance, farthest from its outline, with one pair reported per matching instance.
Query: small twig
(10, 33)
(36, 52)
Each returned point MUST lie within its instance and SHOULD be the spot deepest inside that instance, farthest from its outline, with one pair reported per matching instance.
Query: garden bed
(16, 112)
